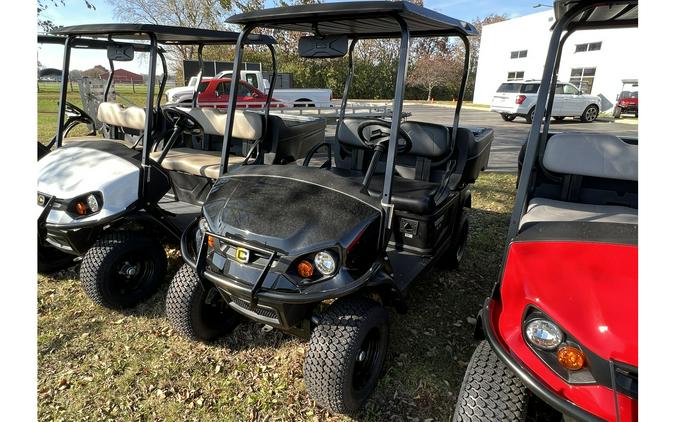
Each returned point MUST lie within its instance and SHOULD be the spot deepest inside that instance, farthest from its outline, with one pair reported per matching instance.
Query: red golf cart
(561, 322)
(627, 100)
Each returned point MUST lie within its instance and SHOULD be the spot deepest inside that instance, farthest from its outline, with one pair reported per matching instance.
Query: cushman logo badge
(242, 255)
(41, 200)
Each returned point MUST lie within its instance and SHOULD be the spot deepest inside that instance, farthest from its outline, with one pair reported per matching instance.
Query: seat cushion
(116, 115)
(410, 195)
(194, 161)
(248, 125)
(550, 210)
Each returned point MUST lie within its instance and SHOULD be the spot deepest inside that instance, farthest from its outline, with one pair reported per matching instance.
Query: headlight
(86, 204)
(543, 334)
(325, 262)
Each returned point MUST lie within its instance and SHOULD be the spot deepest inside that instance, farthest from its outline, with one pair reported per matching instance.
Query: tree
(95, 72)
(42, 5)
(430, 71)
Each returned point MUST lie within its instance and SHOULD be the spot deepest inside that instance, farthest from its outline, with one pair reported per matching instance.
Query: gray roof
(165, 34)
(357, 19)
(599, 13)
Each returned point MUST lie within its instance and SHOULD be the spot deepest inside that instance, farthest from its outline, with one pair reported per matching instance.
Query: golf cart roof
(615, 13)
(357, 19)
(165, 34)
(88, 43)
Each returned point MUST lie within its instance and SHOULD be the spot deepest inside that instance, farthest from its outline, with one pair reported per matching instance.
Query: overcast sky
(75, 13)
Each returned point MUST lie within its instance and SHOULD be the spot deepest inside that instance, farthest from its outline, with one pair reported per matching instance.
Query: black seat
(416, 196)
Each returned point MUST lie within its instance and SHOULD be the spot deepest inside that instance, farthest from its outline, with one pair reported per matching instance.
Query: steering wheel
(177, 117)
(375, 134)
(75, 112)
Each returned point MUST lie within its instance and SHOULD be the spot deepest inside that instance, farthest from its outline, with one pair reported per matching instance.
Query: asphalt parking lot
(510, 136)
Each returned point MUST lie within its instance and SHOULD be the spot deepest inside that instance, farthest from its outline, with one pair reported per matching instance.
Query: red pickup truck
(216, 93)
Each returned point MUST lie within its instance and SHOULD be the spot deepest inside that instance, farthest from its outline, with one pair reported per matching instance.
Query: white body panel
(67, 173)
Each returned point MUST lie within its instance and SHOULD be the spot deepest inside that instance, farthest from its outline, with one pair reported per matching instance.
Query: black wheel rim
(131, 273)
(366, 359)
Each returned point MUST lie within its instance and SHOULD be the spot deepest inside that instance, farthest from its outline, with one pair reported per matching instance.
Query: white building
(594, 60)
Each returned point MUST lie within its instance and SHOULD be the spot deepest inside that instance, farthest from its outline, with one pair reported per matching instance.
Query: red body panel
(254, 98)
(625, 102)
(590, 290)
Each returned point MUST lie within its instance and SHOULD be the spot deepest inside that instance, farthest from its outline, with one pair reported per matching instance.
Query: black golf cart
(114, 203)
(319, 251)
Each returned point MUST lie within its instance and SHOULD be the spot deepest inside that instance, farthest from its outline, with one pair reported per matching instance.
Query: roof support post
(232, 101)
(396, 114)
(149, 116)
(348, 84)
(64, 90)
(462, 86)
(195, 89)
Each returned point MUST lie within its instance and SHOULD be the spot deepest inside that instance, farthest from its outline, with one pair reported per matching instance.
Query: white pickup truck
(314, 97)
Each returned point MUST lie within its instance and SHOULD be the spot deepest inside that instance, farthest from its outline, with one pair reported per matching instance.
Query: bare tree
(430, 71)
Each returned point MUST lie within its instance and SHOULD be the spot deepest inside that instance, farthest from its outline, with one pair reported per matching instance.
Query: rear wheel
(590, 114)
(196, 313)
(507, 117)
(455, 254)
(346, 354)
(490, 391)
(303, 103)
(122, 268)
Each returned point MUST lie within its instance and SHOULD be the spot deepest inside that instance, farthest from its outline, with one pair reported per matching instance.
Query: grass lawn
(95, 364)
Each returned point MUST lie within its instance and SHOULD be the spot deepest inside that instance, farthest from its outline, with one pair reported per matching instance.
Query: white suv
(515, 99)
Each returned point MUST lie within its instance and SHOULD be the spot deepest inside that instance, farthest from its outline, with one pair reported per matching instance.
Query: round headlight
(543, 334)
(92, 202)
(325, 262)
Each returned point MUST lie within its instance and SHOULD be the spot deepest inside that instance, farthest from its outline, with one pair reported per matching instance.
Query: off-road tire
(336, 348)
(558, 118)
(99, 275)
(529, 117)
(195, 313)
(490, 391)
(588, 116)
(51, 260)
(507, 117)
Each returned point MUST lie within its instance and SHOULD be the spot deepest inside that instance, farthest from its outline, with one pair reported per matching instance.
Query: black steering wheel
(374, 134)
(76, 112)
(177, 117)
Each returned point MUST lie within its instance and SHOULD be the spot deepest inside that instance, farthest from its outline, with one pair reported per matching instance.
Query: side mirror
(121, 52)
(327, 46)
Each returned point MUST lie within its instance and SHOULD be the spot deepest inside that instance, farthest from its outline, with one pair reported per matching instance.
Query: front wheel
(346, 354)
(507, 117)
(617, 112)
(196, 313)
(490, 391)
(590, 114)
(122, 268)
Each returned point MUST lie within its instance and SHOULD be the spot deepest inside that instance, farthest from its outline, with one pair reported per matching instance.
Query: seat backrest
(591, 154)
(248, 125)
(116, 115)
(429, 140)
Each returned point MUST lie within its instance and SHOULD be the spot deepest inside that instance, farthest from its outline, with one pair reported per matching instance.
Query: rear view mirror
(121, 52)
(325, 46)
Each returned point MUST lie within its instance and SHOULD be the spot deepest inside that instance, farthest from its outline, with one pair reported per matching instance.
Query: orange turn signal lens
(305, 269)
(81, 208)
(211, 241)
(571, 358)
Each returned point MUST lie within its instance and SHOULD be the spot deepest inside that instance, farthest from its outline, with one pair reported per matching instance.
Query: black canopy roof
(362, 19)
(98, 44)
(600, 13)
(165, 34)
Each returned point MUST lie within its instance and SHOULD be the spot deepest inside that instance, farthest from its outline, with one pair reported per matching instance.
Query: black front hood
(290, 208)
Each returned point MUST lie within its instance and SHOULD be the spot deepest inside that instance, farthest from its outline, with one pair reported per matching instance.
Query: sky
(75, 12)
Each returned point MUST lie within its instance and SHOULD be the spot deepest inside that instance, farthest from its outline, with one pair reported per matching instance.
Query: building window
(582, 78)
(591, 46)
(515, 76)
(519, 54)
